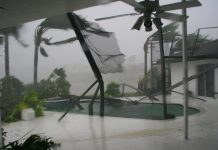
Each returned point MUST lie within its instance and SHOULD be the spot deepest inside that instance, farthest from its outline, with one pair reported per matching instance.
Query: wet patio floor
(83, 132)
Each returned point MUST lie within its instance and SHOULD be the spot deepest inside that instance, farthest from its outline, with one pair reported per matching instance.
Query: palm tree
(58, 22)
(37, 40)
(7, 32)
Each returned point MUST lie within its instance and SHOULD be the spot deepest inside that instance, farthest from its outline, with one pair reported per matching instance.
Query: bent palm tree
(38, 40)
(12, 31)
(58, 22)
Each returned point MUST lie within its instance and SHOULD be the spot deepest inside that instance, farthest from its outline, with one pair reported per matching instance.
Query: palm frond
(38, 34)
(15, 32)
(56, 22)
(63, 23)
(43, 52)
(47, 41)
(169, 31)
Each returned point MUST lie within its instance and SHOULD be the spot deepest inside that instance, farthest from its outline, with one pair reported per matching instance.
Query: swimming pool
(127, 109)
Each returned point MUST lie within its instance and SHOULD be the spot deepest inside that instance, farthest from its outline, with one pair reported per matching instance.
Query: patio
(81, 132)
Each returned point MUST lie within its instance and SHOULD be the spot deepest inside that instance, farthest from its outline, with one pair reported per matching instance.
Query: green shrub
(55, 85)
(11, 95)
(30, 100)
(112, 89)
(13, 115)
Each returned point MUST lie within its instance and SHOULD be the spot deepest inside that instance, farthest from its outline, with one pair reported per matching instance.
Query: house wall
(177, 75)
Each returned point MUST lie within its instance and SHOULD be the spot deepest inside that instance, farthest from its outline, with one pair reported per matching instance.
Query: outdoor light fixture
(151, 11)
(148, 23)
(150, 6)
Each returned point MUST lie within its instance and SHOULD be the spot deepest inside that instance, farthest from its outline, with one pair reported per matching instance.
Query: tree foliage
(170, 31)
(55, 85)
(11, 94)
(145, 84)
(32, 100)
(11, 31)
(191, 39)
(113, 89)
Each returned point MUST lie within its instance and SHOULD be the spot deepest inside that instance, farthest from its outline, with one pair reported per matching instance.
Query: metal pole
(101, 84)
(158, 24)
(163, 73)
(86, 50)
(151, 67)
(0, 129)
(145, 66)
(92, 101)
(185, 73)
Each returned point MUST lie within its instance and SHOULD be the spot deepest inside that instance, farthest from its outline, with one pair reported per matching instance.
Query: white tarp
(105, 49)
(102, 44)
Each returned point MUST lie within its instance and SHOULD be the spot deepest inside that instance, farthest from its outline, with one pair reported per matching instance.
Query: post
(92, 101)
(163, 73)
(75, 24)
(145, 66)
(101, 84)
(123, 89)
(1, 144)
(158, 23)
(151, 67)
(7, 62)
(185, 73)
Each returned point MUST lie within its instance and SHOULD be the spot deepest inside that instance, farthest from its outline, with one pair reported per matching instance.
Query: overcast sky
(130, 41)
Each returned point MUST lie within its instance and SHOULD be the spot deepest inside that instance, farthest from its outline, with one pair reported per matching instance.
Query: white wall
(177, 74)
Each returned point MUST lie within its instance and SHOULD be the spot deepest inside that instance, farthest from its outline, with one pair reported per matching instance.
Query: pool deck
(83, 132)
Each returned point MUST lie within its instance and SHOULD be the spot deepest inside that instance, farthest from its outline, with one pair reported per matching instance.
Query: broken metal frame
(189, 96)
(76, 26)
(188, 79)
(152, 98)
(193, 57)
(196, 39)
(79, 98)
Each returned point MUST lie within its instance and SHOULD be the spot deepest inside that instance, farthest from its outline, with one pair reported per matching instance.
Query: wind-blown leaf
(43, 52)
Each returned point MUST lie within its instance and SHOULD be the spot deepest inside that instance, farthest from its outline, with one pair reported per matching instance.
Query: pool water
(125, 109)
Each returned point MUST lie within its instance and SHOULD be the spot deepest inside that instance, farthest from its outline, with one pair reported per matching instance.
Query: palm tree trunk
(6, 56)
(35, 74)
